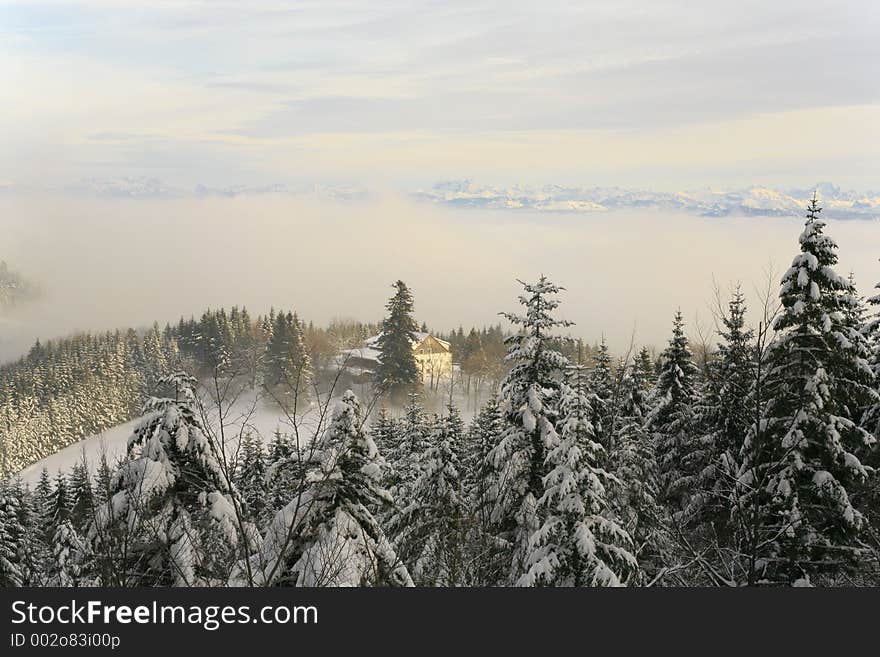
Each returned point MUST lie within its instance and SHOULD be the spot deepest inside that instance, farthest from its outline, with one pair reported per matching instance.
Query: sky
(661, 94)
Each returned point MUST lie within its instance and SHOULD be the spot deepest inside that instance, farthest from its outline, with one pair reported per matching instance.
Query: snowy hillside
(260, 419)
(112, 443)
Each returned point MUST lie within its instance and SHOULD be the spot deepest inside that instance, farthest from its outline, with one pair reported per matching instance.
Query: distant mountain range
(750, 201)
(756, 201)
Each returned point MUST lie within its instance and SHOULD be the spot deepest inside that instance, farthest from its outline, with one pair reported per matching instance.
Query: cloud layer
(668, 93)
(105, 263)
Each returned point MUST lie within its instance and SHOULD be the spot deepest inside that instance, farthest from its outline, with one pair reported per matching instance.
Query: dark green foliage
(251, 476)
(398, 372)
(671, 419)
(724, 416)
(288, 370)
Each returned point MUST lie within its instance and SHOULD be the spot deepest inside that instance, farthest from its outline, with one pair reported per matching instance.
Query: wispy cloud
(638, 89)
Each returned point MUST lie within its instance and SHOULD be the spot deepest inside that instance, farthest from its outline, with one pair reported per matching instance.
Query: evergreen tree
(473, 361)
(170, 483)
(601, 393)
(251, 476)
(398, 371)
(43, 505)
(60, 502)
(871, 330)
(32, 550)
(529, 401)
(287, 362)
(480, 480)
(285, 470)
(82, 498)
(11, 533)
(801, 462)
(67, 552)
(327, 536)
(405, 462)
(647, 369)
(103, 481)
(578, 543)
(723, 417)
(636, 489)
(670, 421)
(431, 542)
(406, 456)
(280, 447)
(385, 431)
(155, 359)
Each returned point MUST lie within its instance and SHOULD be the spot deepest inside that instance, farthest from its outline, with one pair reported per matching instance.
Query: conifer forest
(752, 460)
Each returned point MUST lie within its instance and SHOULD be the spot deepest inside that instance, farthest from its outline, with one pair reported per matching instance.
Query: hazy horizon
(106, 264)
(390, 95)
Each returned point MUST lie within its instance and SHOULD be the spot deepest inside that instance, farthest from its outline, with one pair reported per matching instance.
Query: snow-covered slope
(248, 414)
(260, 419)
(112, 442)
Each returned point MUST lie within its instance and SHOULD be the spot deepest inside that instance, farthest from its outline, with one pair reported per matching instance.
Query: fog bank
(110, 263)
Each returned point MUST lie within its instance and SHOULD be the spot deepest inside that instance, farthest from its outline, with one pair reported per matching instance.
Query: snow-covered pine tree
(250, 477)
(871, 414)
(155, 359)
(529, 399)
(11, 533)
(43, 506)
(800, 464)
(432, 538)
(285, 470)
(578, 543)
(61, 502)
(82, 498)
(288, 367)
(601, 393)
(646, 365)
(670, 420)
(68, 551)
(280, 446)
(169, 484)
(473, 362)
(478, 471)
(636, 489)
(480, 479)
(871, 330)
(724, 414)
(405, 457)
(103, 481)
(398, 372)
(326, 536)
(33, 551)
(385, 431)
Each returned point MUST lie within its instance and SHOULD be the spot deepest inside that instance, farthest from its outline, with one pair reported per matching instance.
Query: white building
(433, 356)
